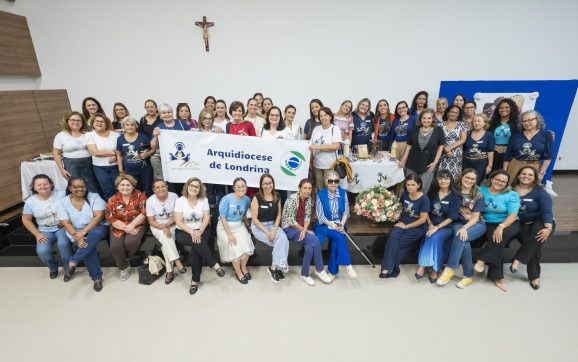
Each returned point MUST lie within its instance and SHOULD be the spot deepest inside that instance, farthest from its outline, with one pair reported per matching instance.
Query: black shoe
(384, 275)
(248, 276)
(242, 280)
(220, 272)
(513, 270)
(193, 289)
(280, 274)
(97, 286)
(535, 286)
(69, 273)
(169, 279)
(182, 270)
(273, 274)
(53, 275)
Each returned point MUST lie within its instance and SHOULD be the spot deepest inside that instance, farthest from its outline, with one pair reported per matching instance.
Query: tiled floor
(367, 319)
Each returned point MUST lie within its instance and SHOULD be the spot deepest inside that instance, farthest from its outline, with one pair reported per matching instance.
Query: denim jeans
(81, 167)
(44, 250)
(461, 251)
(215, 193)
(280, 244)
(144, 178)
(311, 250)
(105, 175)
(90, 254)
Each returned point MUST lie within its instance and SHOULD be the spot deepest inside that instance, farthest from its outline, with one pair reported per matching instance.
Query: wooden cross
(205, 25)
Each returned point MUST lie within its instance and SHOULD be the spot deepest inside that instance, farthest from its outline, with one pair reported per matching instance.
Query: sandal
(169, 279)
(193, 289)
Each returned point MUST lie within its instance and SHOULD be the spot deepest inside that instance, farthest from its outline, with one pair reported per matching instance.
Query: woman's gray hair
(331, 174)
(540, 120)
(165, 107)
(129, 119)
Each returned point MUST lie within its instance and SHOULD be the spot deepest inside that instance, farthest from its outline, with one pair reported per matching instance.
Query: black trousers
(199, 252)
(493, 252)
(531, 249)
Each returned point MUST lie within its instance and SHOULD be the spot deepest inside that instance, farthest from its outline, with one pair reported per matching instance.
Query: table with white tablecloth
(29, 169)
(367, 173)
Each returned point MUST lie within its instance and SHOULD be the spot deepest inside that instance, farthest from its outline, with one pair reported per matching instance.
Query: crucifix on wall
(205, 25)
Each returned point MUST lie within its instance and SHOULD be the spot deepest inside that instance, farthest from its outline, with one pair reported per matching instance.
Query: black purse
(340, 169)
(145, 277)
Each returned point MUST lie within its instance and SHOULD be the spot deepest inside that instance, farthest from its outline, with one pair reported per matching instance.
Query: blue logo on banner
(292, 163)
(179, 154)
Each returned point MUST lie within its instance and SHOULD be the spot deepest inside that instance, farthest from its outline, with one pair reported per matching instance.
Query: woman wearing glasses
(332, 210)
(531, 146)
(501, 214)
(233, 239)
(400, 129)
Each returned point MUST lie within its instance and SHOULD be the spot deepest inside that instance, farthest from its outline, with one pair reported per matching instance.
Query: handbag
(340, 169)
(145, 276)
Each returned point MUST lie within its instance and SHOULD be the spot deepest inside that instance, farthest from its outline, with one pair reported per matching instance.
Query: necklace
(426, 132)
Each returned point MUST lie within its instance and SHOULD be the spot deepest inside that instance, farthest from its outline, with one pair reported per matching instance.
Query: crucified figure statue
(205, 25)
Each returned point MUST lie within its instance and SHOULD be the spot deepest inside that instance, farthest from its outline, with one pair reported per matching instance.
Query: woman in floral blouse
(126, 213)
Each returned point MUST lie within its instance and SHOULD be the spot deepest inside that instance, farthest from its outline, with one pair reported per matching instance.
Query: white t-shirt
(258, 123)
(193, 217)
(102, 144)
(284, 134)
(162, 211)
(44, 211)
(222, 125)
(323, 160)
(295, 132)
(71, 147)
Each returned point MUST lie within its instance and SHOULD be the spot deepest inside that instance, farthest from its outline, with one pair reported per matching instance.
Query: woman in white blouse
(101, 144)
(274, 125)
(324, 143)
(70, 150)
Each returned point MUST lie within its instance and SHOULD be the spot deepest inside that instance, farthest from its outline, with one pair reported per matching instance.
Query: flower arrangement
(378, 204)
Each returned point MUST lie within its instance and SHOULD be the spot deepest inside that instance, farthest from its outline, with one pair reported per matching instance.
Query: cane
(356, 246)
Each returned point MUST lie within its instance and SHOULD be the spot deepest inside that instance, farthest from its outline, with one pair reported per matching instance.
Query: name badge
(528, 200)
(264, 206)
(480, 141)
(445, 202)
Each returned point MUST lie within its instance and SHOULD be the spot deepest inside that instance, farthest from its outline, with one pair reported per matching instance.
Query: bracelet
(502, 225)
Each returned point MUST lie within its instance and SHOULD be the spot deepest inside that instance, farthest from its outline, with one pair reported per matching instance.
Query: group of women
(117, 160)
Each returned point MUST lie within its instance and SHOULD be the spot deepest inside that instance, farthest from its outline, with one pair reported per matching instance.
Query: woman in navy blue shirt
(362, 124)
(314, 106)
(479, 147)
(382, 124)
(400, 129)
(133, 153)
(444, 210)
(418, 104)
(410, 228)
(536, 219)
(532, 146)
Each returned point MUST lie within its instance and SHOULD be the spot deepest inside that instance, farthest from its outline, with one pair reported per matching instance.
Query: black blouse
(418, 158)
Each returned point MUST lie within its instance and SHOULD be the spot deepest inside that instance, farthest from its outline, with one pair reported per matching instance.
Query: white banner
(220, 158)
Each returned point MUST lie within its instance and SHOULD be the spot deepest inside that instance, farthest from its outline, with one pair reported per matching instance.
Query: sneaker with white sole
(464, 282)
(324, 277)
(446, 276)
(273, 274)
(308, 280)
(124, 274)
(351, 272)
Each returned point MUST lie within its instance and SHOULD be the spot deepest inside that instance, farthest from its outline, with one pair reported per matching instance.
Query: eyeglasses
(267, 183)
(332, 181)
(500, 181)
(529, 120)
(275, 115)
(98, 121)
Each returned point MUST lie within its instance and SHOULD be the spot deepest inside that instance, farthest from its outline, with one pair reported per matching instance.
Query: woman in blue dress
(479, 148)
(444, 210)
(82, 214)
(410, 228)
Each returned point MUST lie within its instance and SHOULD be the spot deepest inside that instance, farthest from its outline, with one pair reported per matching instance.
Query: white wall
(296, 50)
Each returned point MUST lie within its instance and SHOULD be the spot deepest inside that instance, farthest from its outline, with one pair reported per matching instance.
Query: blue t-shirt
(412, 208)
(401, 131)
(478, 150)
(446, 208)
(469, 205)
(232, 208)
(131, 160)
(44, 211)
(540, 147)
(178, 126)
(499, 206)
(502, 134)
(536, 205)
(80, 218)
(362, 130)
(306, 127)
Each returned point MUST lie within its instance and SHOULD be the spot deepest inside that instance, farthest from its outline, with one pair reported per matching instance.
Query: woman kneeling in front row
(266, 218)
(192, 217)
(295, 222)
(410, 228)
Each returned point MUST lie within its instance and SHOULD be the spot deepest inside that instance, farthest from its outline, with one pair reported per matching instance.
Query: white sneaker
(124, 274)
(308, 280)
(323, 276)
(351, 272)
